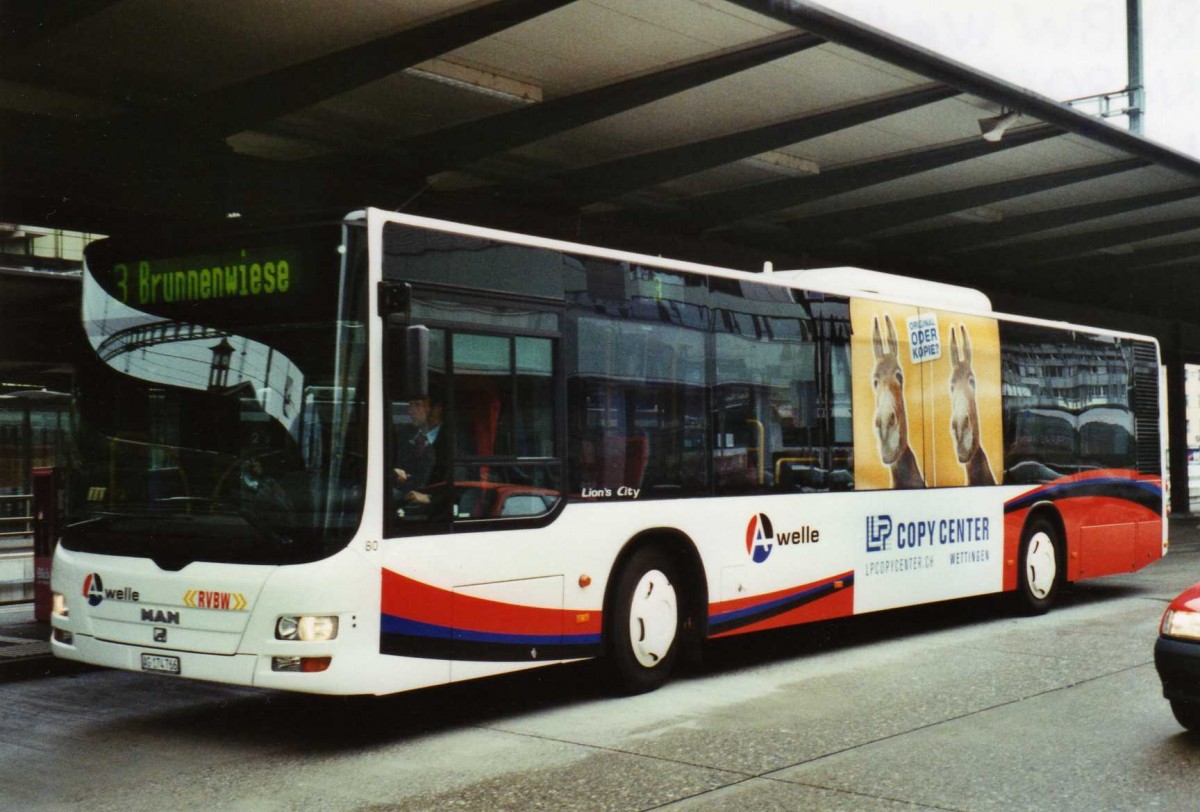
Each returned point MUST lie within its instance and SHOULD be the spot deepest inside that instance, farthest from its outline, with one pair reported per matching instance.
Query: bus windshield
(219, 401)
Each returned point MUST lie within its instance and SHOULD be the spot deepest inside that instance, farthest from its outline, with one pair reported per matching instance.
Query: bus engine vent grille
(1146, 407)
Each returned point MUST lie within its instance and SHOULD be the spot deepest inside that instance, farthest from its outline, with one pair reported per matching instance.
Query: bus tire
(1040, 571)
(647, 616)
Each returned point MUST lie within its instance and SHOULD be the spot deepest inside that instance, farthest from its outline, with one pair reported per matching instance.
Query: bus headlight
(58, 604)
(1181, 623)
(307, 628)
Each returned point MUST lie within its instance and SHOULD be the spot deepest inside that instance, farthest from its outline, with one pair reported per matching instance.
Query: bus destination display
(175, 280)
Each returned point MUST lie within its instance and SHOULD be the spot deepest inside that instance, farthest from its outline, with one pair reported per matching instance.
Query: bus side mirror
(408, 362)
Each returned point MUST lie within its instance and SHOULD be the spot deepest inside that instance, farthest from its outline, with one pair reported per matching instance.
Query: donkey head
(887, 379)
(964, 408)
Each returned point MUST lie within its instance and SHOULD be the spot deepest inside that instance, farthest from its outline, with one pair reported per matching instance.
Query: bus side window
(638, 427)
(506, 463)
(1067, 403)
(767, 427)
(838, 403)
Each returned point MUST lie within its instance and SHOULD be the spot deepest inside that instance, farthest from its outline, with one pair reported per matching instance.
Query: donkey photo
(891, 418)
(964, 411)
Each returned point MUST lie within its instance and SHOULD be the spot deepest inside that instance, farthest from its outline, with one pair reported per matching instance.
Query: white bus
(391, 452)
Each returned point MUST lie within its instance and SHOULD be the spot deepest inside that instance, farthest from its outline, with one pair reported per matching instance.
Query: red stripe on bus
(414, 600)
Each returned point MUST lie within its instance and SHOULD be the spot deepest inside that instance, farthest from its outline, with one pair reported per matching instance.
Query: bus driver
(420, 457)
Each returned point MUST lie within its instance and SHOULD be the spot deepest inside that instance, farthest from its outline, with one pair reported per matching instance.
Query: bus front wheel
(1040, 571)
(643, 639)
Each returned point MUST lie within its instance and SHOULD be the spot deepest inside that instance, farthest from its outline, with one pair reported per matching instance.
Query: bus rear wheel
(643, 639)
(1040, 571)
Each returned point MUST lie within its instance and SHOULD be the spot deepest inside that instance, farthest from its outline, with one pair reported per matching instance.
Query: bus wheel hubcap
(653, 618)
(1041, 567)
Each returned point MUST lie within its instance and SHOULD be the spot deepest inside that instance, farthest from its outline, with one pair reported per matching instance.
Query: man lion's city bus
(392, 452)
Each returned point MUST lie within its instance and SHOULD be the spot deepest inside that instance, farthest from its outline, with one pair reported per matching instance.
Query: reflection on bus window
(1067, 405)
(765, 418)
(699, 385)
(233, 434)
(639, 426)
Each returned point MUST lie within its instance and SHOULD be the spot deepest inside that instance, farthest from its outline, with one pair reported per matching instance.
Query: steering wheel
(250, 474)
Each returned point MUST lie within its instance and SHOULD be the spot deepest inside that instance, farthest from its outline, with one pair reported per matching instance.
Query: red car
(1177, 657)
(499, 500)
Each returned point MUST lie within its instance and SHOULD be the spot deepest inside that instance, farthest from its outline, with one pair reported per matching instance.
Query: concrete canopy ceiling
(725, 131)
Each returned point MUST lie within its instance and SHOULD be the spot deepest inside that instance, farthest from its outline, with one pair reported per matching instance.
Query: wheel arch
(682, 550)
(1050, 513)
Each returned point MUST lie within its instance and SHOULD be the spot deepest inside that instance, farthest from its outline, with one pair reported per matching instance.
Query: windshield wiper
(101, 517)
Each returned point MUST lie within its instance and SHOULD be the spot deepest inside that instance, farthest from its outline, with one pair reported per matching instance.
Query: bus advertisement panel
(927, 398)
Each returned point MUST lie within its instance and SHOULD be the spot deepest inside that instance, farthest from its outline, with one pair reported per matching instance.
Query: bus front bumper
(235, 669)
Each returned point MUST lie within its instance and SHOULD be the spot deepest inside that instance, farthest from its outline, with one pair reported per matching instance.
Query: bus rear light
(307, 628)
(304, 665)
(58, 605)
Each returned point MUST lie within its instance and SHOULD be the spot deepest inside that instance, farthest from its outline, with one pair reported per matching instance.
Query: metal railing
(16, 526)
(16, 548)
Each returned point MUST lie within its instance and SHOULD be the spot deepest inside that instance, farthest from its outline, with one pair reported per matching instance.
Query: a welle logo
(94, 591)
(761, 537)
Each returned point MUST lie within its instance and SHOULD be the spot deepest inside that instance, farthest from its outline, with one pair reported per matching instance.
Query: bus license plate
(160, 663)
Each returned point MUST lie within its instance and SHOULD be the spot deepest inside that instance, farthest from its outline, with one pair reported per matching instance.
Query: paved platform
(25, 647)
(24, 644)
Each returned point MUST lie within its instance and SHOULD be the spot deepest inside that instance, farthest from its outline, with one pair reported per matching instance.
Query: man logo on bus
(93, 589)
(759, 538)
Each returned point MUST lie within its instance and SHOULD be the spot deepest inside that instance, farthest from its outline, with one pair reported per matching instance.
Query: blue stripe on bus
(727, 621)
(391, 624)
(1142, 492)
(762, 607)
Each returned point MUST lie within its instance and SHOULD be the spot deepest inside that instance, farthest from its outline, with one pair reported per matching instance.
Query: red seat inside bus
(614, 461)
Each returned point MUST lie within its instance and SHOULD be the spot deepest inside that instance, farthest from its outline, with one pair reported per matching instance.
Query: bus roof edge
(851, 281)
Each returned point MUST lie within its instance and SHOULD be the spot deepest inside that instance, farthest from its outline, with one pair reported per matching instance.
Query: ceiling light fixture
(994, 127)
(477, 81)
